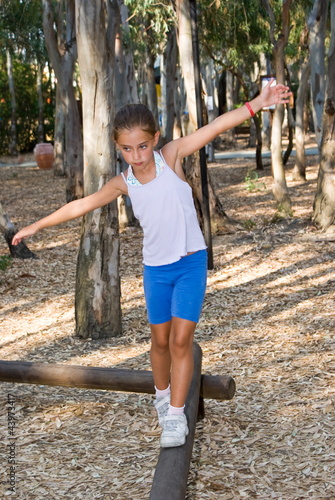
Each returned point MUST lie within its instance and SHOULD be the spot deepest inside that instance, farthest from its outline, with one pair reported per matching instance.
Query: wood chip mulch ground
(268, 321)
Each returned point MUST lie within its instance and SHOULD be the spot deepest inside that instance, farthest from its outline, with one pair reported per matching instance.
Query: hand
(278, 94)
(24, 233)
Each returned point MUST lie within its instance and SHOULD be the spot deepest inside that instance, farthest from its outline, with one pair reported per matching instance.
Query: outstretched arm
(109, 192)
(185, 146)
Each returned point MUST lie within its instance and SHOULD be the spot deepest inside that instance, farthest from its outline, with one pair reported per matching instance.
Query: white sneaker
(162, 406)
(175, 430)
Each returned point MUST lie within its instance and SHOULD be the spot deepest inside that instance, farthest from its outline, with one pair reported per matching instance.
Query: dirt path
(267, 321)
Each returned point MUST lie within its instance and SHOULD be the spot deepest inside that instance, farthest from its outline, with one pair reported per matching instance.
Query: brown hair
(132, 116)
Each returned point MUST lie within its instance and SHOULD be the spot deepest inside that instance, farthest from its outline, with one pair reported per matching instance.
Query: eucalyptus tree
(126, 92)
(220, 222)
(151, 24)
(235, 36)
(60, 39)
(97, 304)
(279, 34)
(317, 24)
(324, 203)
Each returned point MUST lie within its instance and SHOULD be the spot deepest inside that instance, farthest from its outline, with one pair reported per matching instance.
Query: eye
(144, 146)
(126, 149)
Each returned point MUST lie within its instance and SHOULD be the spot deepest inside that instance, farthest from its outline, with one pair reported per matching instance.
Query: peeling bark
(98, 306)
(324, 202)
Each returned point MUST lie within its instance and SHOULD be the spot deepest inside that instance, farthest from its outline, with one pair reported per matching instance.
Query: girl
(174, 250)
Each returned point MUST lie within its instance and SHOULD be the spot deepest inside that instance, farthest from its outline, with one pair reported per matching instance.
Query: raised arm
(278, 94)
(109, 192)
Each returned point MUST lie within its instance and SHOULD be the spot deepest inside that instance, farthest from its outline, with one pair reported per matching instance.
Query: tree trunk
(20, 251)
(219, 220)
(230, 134)
(279, 188)
(290, 127)
(125, 93)
(13, 132)
(168, 84)
(151, 93)
(211, 104)
(98, 308)
(125, 81)
(324, 203)
(59, 165)
(40, 127)
(259, 143)
(63, 59)
(317, 32)
(299, 170)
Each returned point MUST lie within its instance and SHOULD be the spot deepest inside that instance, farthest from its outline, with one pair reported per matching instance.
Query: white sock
(162, 394)
(175, 410)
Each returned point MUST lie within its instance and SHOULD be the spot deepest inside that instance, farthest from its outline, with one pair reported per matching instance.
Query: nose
(136, 154)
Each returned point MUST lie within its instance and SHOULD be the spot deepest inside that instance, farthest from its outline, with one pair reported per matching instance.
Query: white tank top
(167, 215)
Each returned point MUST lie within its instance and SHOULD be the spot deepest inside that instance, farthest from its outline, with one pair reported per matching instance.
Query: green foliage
(21, 34)
(252, 182)
(5, 262)
(249, 224)
(27, 107)
(234, 33)
(149, 22)
(21, 28)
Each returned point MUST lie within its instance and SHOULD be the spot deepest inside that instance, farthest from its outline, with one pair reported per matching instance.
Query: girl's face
(137, 148)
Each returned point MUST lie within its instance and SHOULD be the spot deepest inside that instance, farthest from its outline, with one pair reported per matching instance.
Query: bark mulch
(267, 321)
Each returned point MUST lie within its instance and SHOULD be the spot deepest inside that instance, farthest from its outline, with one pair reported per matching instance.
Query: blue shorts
(176, 289)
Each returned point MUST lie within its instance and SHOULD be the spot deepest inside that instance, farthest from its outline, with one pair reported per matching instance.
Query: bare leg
(172, 350)
(160, 354)
(182, 363)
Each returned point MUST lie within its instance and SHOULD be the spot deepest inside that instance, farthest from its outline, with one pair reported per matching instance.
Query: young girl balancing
(174, 250)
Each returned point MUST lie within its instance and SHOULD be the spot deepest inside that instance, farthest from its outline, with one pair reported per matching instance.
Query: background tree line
(105, 53)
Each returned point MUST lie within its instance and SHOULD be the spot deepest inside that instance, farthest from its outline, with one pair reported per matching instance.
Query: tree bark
(324, 202)
(20, 251)
(279, 187)
(125, 93)
(230, 105)
(40, 127)
(98, 308)
(220, 222)
(168, 83)
(317, 31)
(299, 169)
(59, 165)
(63, 59)
(13, 151)
(151, 92)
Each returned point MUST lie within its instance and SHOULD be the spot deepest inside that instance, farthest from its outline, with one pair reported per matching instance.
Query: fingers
(16, 240)
(24, 233)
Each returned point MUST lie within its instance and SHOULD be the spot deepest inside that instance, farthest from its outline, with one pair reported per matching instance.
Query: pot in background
(44, 155)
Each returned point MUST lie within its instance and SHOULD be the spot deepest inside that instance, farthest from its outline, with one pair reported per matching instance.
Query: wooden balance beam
(220, 387)
(170, 478)
(171, 473)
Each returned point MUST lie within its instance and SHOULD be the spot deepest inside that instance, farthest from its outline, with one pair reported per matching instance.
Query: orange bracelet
(251, 111)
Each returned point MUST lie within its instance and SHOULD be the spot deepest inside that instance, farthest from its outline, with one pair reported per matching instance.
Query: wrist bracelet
(249, 108)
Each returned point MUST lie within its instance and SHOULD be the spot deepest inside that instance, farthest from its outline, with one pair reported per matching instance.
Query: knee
(181, 344)
(160, 345)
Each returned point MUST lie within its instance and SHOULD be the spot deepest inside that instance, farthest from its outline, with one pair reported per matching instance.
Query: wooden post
(220, 387)
(170, 479)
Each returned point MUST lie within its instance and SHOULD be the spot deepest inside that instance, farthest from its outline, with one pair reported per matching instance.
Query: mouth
(138, 164)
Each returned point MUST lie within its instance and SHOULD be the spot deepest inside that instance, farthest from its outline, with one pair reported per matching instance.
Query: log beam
(221, 387)
(170, 478)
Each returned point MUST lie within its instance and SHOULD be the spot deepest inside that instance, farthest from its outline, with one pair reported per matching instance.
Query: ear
(156, 138)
